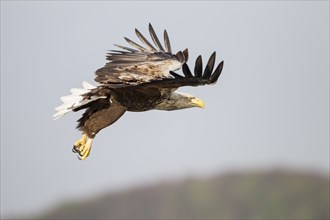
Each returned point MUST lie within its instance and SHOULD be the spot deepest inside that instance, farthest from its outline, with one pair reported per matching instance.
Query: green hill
(254, 195)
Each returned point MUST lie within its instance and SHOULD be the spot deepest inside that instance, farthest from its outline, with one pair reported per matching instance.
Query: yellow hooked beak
(198, 102)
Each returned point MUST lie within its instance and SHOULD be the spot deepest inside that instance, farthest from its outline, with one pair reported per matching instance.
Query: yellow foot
(82, 147)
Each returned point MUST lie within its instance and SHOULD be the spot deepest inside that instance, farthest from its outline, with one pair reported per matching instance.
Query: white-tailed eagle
(136, 79)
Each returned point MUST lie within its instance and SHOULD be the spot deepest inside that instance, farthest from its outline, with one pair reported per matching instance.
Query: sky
(270, 107)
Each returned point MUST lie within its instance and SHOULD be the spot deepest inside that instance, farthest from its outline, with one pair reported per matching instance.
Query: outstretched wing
(139, 64)
(199, 78)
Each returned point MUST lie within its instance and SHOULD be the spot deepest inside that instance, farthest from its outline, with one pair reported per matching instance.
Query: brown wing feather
(199, 78)
(142, 64)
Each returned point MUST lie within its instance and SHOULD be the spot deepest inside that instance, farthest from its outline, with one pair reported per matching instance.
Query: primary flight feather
(136, 79)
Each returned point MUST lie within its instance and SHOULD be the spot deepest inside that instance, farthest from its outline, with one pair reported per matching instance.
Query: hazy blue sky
(270, 107)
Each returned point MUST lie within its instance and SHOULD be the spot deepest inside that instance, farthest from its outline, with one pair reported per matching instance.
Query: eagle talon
(75, 149)
(82, 148)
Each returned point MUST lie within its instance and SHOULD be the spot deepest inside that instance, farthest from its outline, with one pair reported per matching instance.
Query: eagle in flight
(136, 79)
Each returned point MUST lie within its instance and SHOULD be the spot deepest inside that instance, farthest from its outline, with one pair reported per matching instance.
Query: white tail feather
(75, 100)
(87, 86)
(76, 91)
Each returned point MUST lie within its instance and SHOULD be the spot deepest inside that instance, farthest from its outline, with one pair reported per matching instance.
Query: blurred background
(259, 149)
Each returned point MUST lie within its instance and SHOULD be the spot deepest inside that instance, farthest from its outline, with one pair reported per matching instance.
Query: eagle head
(178, 100)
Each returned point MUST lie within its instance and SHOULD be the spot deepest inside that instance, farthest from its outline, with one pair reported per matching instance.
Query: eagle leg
(83, 147)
